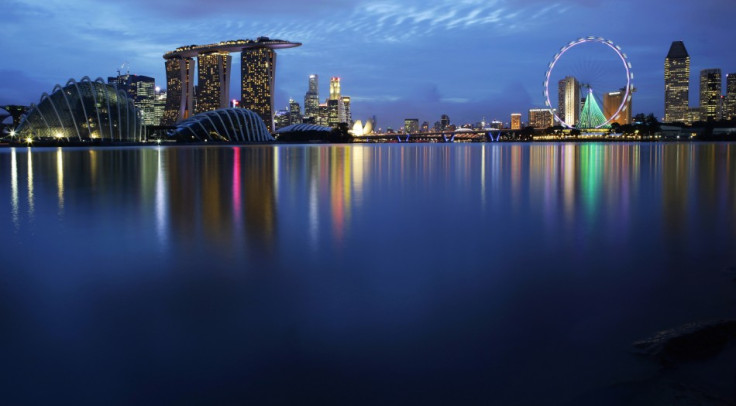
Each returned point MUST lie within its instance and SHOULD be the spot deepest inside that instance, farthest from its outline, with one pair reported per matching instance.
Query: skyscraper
(179, 90)
(213, 81)
(516, 121)
(729, 107)
(411, 125)
(258, 70)
(159, 106)
(335, 105)
(710, 94)
(611, 103)
(568, 97)
(295, 112)
(346, 106)
(311, 98)
(334, 88)
(444, 122)
(676, 83)
(140, 89)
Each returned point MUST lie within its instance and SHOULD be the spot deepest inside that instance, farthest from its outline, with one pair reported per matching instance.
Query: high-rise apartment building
(540, 118)
(411, 125)
(516, 121)
(568, 98)
(729, 104)
(710, 94)
(213, 81)
(676, 83)
(311, 98)
(611, 102)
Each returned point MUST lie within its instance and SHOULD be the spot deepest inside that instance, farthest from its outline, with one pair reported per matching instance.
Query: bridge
(463, 134)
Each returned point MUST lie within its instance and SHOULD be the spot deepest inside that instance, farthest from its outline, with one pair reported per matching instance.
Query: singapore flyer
(588, 84)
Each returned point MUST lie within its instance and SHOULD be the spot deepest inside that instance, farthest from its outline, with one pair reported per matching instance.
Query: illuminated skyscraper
(179, 90)
(411, 125)
(346, 106)
(541, 118)
(611, 103)
(444, 122)
(140, 89)
(311, 98)
(676, 83)
(258, 69)
(568, 100)
(729, 107)
(516, 121)
(295, 112)
(334, 88)
(213, 73)
(710, 94)
(159, 106)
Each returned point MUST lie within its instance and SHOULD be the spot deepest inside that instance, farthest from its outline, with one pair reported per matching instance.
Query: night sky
(397, 59)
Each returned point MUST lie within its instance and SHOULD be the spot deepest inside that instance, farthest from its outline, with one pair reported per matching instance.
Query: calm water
(357, 274)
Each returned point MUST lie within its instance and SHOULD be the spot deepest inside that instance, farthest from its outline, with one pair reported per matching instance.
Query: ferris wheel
(588, 71)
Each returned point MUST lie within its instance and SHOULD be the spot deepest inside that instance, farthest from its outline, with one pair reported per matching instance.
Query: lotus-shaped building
(84, 110)
(226, 125)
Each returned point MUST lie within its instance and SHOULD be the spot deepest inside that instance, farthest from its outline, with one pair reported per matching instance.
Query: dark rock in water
(689, 342)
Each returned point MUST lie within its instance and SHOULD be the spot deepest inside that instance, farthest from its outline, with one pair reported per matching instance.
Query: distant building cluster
(332, 113)
(713, 104)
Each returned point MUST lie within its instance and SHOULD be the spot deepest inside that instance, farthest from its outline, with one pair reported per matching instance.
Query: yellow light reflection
(14, 186)
(30, 183)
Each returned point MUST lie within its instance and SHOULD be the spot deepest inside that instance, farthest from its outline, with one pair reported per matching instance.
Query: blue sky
(397, 59)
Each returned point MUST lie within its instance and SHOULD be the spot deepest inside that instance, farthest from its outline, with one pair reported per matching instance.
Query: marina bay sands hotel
(257, 69)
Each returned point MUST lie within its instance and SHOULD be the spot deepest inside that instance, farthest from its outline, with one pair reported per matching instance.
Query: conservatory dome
(228, 125)
(83, 110)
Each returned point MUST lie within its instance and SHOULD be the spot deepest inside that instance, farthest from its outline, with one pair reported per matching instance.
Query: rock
(689, 342)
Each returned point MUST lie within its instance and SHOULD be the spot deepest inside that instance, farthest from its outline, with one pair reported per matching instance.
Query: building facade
(568, 98)
(213, 81)
(676, 84)
(311, 98)
(729, 104)
(710, 94)
(540, 118)
(611, 102)
(516, 121)
(411, 125)
(295, 112)
(179, 90)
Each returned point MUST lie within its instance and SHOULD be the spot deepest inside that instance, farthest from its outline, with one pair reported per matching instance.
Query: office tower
(411, 125)
(425, 127)
(540, 118)
(179, 90)
(729, 104)
(710, 94)
(258, 69)
(346, 106)
(159, 106)
(611, 102)
(281, 118)
(322, 115)
(516, 121)
(334, 88)
(676, 83)
(568, 98)
(140, 89)
(295, 112)
(444, 122)
(311, 98)
(213, 81)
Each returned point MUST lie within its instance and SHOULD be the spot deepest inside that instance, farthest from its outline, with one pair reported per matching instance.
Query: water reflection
(250, 199)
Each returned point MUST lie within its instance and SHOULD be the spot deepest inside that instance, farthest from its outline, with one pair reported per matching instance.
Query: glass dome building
(226, 125)
(84, 110)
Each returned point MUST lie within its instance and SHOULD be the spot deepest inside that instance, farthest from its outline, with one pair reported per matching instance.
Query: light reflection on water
(437, 265)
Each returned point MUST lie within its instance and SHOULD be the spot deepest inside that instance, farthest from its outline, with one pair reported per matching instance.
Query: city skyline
(398, 61)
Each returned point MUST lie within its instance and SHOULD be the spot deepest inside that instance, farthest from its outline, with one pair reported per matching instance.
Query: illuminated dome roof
(228, 124)
(302, 128)
(81, 111)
